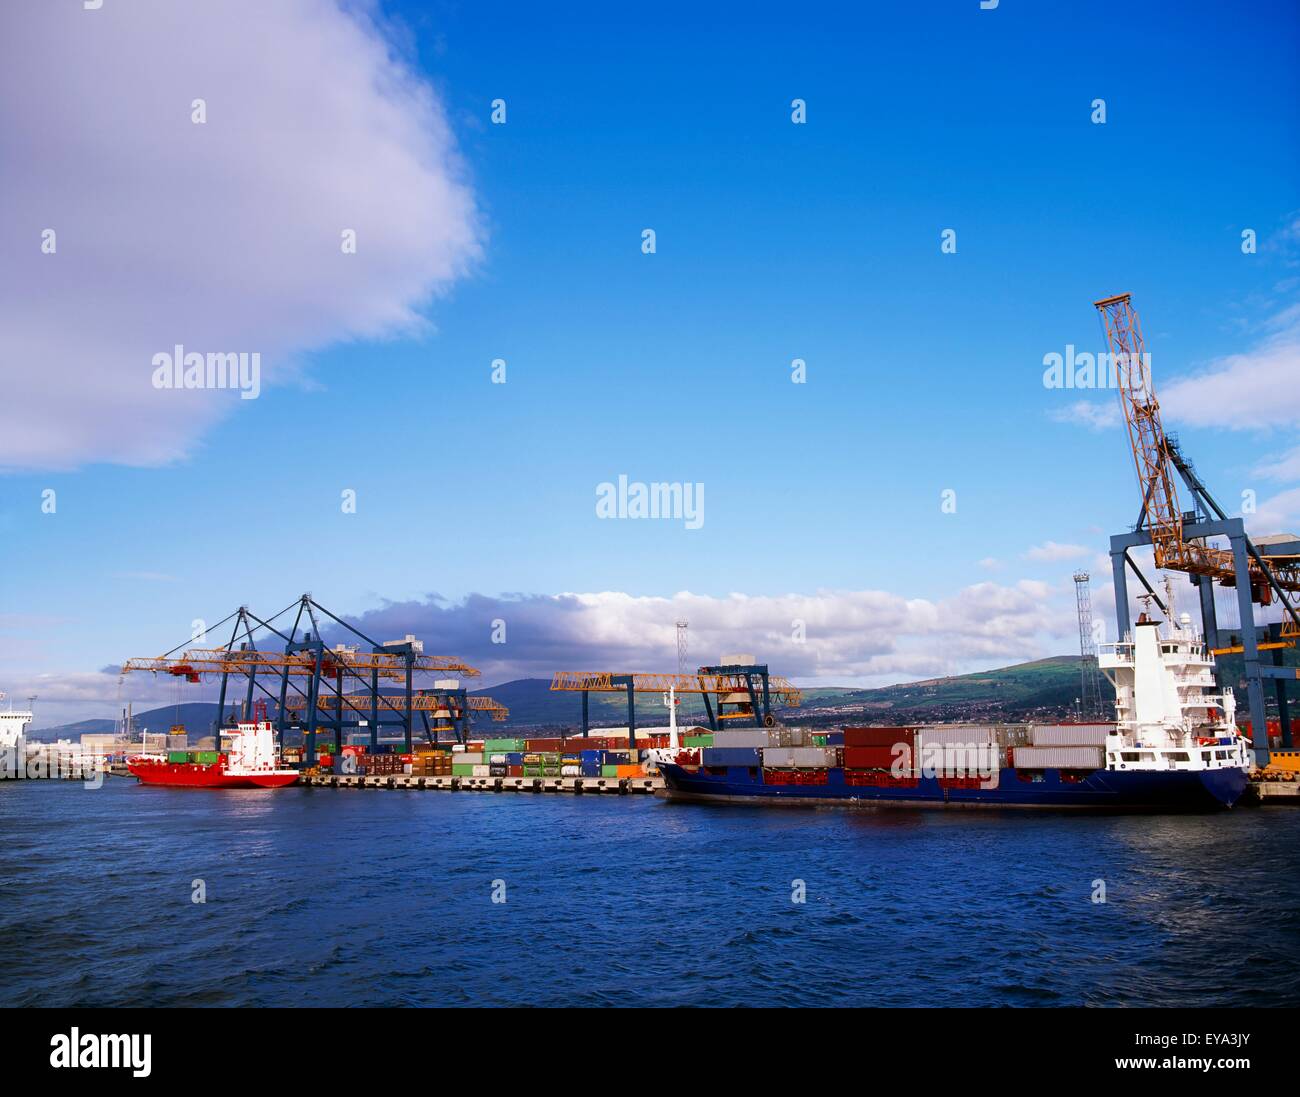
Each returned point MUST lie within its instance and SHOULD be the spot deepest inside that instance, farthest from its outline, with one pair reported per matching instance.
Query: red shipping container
(874, 758)
(878, 737)
(514, 771)
(878, 779)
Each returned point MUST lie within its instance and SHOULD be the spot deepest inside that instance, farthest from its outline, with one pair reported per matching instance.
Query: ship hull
(188, 775)
(1097, 790)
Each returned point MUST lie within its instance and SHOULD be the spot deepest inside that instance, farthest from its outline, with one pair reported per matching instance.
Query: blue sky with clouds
(775, 241)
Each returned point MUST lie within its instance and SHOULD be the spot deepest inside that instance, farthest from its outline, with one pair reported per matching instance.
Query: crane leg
(1250, 650)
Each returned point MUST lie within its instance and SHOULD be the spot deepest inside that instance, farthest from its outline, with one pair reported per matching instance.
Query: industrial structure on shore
(1261, 571)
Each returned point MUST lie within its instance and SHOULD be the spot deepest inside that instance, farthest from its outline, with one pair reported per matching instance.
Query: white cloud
(1256, 389)
(991, 563)
(864, 637)
(1277, 514)
(1052, 551)
(223, 236)
(1285, 467)
(1091, 414)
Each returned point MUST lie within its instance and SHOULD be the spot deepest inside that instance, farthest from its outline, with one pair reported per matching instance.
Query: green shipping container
(462, 771)
(532, 771)
(697, 740)
(550, 771)
(819, 740)
(207, 757)
(178, 756)
(503, 746)
(609, 771)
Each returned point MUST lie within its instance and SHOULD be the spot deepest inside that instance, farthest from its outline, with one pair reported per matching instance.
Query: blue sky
(775, 241)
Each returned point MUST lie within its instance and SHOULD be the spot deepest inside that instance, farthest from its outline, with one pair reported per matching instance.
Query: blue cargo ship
(1099, 790)
(1173, 746)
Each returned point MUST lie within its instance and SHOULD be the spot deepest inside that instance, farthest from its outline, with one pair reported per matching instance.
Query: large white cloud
(223, 236)
(1257, 389)
(849, 637)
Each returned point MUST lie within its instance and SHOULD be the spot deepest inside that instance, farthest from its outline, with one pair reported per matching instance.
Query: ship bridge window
(1179, 756)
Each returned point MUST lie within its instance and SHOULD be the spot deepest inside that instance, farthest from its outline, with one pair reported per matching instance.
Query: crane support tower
(1181, 540)
(1090, 703)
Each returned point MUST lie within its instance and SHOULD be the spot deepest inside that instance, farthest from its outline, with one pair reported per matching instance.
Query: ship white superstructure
(1169, 714)
(13, 739)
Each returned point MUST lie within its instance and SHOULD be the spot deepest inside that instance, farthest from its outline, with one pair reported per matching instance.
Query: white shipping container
(962, 734)
(747, 737)
(482, 771)
(960, 759)
(1072, 735)
(468, 759)
(1058, 757)
(497, 759)
(800, 757)
(570, 771)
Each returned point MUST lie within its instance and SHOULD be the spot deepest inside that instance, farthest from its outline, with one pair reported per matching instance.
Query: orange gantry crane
(1181, 540)
(742, 692)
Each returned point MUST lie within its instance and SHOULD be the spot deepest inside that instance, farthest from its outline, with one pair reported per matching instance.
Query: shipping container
(482, 771)
(742, 737)
(502, 746)
(959, 734)
(176, 756)
(458, 770)
(877, 758)
(731, 756)
(469, 758)
(1072, 735)
(800, 757)
(697, 740)
(609, 771)
(1058, 757)
(879, 737)
(591, 769)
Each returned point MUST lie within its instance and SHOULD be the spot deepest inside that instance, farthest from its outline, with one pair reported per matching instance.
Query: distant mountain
(1042, 690)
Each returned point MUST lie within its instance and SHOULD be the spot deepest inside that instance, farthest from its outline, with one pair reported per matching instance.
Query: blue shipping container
(835, 739)
(591, 769)
(730, 756)
(590, 755)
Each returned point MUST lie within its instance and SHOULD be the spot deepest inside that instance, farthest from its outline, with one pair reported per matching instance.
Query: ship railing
(1119, 650)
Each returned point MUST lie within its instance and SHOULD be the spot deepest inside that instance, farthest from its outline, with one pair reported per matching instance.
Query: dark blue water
(332, 897)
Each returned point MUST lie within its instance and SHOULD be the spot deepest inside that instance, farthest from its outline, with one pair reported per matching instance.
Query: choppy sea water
(376, 898)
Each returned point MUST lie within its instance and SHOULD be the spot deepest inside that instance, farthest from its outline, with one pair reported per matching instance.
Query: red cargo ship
(249, 762)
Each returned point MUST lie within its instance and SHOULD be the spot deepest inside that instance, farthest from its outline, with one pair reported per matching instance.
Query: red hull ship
(193, 775)
(249, 762)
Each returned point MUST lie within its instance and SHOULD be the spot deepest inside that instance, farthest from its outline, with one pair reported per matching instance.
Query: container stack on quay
(594, 756)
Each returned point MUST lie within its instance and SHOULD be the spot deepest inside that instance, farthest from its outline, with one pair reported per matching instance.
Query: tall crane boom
(1156, 459)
